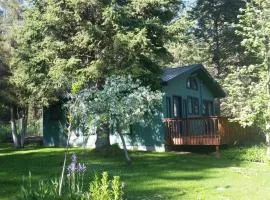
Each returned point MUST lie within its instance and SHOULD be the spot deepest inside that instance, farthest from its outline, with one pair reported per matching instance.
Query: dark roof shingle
(170, 73)
(209, 81)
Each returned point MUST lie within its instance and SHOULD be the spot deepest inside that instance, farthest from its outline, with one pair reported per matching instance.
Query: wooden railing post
(194, 131)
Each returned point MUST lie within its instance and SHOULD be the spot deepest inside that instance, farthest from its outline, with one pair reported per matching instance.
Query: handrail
(193, 130)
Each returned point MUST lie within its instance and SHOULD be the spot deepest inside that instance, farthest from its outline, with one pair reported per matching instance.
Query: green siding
(54, 126)
(177, 87)
(147, 138)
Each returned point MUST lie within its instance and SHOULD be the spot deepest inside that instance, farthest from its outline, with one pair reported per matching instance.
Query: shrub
(5, 132)
(104, 189)
(255, 153)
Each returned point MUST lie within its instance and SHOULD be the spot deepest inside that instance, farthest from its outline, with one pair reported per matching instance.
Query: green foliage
(5, 132)
(215, 27)
(10, 94)
(105, 189)
(255, 153)
(67, 43)
(101, 188)
(249, 86)
(44, 190)
(121, 102)
(206, 34)
(185, 46)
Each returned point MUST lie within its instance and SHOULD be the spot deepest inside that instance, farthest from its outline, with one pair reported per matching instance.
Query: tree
(122, 101)
(185, 47)
(64, 44)
(249, 88)
(215, 27)
(12, 96)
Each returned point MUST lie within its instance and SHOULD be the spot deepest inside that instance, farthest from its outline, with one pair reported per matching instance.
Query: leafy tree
(249, 88)
(11, 96)
(122, 101)
(73, 43)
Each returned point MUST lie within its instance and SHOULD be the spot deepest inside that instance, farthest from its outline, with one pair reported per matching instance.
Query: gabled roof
(203, 74)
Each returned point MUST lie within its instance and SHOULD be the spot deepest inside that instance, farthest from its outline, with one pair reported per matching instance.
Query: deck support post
(217, 153)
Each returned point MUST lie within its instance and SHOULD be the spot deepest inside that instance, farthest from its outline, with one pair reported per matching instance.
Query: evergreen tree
(72, 43)
(12, 96)
(215, 27)
(249, 86)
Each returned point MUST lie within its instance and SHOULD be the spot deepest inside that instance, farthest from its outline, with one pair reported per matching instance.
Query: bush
(5, 132)
(255, 153)
(104, 189)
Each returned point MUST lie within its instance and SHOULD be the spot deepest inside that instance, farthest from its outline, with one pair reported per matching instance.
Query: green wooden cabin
(189, 111)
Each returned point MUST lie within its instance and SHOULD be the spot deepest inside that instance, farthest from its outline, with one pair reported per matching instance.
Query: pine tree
(249, 88)
(69, 44)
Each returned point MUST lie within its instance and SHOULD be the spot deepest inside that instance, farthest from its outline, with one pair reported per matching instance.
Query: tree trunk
(268, 144)
(103, 136)
(24, 120)
(128, 159)
(15, 135)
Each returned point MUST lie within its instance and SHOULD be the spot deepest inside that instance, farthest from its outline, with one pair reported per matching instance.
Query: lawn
(155, 176)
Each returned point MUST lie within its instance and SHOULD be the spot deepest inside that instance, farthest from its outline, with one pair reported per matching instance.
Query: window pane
(168, 107)
(210, 104)
(196, 105)
(207, 107)
(204, 106)
(195, 86)
(188, 83)
(189, 102)
(192, 83)
(175, 107)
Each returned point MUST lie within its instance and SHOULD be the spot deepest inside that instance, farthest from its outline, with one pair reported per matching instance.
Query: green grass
(151, 176)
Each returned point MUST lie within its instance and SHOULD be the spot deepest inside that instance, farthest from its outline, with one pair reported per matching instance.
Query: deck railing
(192, 131)
(210, 130)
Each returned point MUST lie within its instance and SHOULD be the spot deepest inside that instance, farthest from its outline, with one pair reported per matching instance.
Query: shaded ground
(151, 176)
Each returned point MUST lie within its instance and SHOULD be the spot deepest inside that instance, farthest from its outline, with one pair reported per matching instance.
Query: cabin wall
(177, 87)
(139, 138)
(53, 128)
(149, 138)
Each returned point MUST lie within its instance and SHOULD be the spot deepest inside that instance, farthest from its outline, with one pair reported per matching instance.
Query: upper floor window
(192, 83)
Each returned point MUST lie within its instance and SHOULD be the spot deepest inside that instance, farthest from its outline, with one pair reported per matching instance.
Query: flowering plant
(75, 175)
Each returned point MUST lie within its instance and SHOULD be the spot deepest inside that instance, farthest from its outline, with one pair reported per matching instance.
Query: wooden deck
(207, 131)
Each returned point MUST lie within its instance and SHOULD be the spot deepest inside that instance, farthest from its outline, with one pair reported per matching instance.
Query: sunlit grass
(151, 176)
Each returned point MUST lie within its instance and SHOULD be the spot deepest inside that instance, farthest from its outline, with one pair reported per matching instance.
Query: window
(192, 83)
(168, 107)
(207, 108)
(177, 106)
(193, 105)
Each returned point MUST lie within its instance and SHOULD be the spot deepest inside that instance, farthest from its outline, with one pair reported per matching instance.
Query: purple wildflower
(75, 167)
(71, 168)
(74, 158)
(81, 168)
